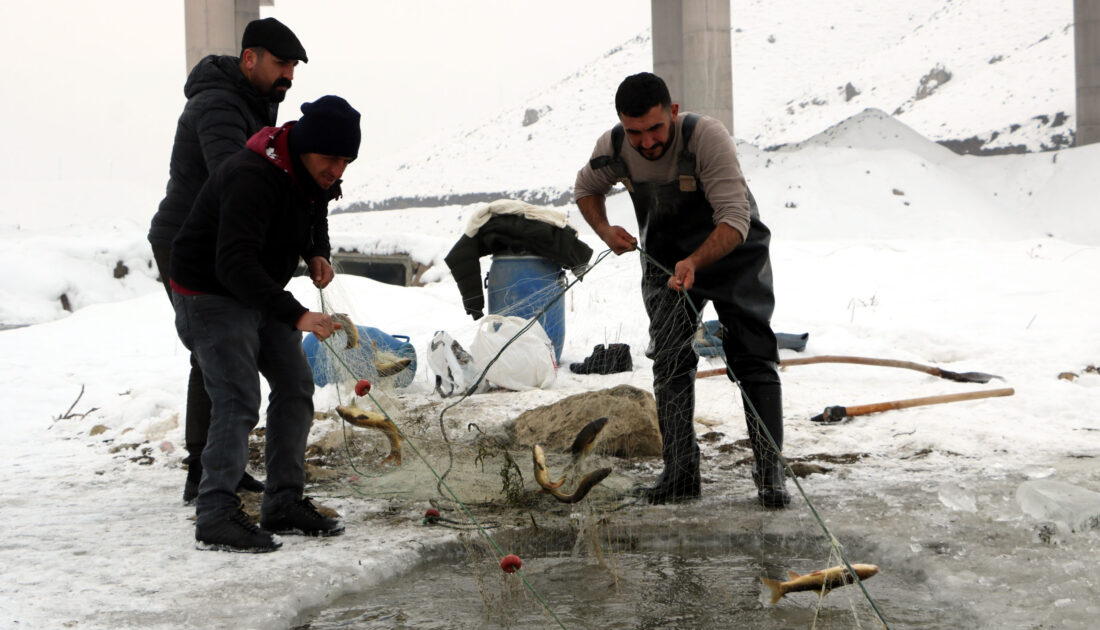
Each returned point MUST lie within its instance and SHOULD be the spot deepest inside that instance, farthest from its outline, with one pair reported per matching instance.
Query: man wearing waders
(697, 218)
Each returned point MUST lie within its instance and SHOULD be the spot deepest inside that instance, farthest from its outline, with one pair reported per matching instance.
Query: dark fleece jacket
(256, 216)
(511, 234)
(223, 110)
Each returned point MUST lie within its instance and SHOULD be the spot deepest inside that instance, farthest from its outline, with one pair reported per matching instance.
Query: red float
(510, 563)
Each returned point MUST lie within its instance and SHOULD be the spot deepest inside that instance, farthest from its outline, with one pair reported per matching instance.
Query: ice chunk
(956, 498)
(1071, 507)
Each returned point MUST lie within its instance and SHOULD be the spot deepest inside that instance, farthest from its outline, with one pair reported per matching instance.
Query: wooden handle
(966, 377)
(860, 410)
(833, 358)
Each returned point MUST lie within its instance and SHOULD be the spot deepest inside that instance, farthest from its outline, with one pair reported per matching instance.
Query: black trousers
(197, 416)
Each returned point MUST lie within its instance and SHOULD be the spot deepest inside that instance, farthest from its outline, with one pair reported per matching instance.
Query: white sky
(93, 88)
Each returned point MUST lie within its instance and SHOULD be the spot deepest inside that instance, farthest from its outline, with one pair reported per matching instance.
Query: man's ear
(675, 110)
(248, 58)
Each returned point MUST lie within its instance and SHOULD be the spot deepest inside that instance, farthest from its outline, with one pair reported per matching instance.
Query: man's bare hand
(321, 272)
(683, 276)
(320, 324)
(618, 239)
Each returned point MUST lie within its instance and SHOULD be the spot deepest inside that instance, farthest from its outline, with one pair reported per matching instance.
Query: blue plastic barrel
(360, 359)
(522, 286)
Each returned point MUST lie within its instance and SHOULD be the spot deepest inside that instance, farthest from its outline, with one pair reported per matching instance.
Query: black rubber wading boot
(683, 485)
(680, 480)
(767, 471)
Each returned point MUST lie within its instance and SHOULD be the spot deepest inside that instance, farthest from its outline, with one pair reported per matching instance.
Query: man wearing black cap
(228, 100)
(264, 209)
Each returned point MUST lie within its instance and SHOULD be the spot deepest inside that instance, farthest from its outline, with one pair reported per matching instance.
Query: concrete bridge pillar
(214, 27)
(693, 54)
(1086, 34)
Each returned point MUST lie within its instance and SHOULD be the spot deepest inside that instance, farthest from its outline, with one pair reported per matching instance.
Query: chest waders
(674, 219)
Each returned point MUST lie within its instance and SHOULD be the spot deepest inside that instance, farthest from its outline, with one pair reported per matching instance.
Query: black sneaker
(235, 532)
(303, 519)
(248, 483)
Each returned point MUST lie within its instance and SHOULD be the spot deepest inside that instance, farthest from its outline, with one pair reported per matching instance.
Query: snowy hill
(978, 77)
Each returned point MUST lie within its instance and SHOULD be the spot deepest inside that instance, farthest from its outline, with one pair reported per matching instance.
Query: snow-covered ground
(885, 245)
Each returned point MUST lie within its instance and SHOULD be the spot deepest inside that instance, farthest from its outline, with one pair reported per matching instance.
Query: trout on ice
(822, 581)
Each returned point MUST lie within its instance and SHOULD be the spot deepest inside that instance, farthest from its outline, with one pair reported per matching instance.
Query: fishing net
(608, 558)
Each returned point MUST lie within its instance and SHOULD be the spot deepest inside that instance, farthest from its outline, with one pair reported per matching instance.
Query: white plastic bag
(528, 363)
(455, 370)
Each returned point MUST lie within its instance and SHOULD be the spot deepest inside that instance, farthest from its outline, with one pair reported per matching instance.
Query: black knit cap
(273, 36)
(329, 126)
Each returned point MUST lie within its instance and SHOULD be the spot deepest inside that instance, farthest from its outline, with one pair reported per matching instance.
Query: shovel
(838, 413)
(961, 377)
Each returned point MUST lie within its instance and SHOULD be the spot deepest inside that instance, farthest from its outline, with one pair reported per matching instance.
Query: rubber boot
(680, 480)
(767, 470)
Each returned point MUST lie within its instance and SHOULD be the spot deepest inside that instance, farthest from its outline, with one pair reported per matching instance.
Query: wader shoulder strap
(615, 161)
(685, 162)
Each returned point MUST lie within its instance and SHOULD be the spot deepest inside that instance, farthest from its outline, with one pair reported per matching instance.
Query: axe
(838, 413)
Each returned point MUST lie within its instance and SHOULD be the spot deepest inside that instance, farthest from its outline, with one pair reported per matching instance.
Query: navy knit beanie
(329, 126)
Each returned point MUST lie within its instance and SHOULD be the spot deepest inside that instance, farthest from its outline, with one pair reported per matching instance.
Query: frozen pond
(954, 550)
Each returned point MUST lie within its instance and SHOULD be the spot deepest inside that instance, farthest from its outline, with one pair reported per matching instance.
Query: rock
(631, 430)
(936, 77)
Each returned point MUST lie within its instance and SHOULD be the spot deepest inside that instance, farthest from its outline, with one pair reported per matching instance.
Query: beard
(655, 152)
(276, 95)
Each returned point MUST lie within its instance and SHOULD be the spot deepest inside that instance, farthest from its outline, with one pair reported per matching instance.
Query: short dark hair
(638, 93)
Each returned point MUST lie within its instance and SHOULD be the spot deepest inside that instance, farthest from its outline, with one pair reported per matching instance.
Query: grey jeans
(234, 344)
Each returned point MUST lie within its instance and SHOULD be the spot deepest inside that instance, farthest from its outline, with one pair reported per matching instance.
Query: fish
(374, 420)
(389, 368)
(349, 329)
(822, 581)
(585, 439)
(542, 476)
(542, 473)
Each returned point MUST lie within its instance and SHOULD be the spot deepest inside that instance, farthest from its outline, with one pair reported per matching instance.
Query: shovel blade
(968, 377)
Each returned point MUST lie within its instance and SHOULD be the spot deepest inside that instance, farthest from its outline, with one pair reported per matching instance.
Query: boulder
(631, 430)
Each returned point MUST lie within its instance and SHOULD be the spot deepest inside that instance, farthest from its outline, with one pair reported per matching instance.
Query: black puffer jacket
(511, 234)
(253, 219)
(223, 111)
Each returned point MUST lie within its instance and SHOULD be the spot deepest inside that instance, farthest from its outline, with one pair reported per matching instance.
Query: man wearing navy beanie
(260, 213)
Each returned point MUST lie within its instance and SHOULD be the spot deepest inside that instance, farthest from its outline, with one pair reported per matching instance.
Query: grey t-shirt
(716, 167)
